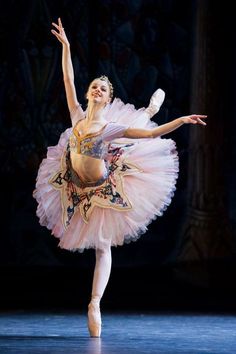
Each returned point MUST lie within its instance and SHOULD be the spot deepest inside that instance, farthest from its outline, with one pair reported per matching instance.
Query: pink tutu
(139, 187)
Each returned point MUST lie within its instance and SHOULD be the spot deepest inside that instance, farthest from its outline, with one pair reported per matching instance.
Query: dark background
(186, 260)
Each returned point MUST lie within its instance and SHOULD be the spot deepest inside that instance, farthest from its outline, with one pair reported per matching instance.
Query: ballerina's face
(99, 92)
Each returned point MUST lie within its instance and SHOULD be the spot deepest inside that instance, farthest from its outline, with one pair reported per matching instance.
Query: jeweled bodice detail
(90, 144)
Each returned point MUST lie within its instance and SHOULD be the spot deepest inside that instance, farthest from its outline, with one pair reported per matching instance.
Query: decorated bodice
(95, 144)
(90, 144)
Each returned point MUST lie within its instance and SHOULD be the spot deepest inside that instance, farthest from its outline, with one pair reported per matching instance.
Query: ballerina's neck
(95, 113)
(93, 120)
(94, 125)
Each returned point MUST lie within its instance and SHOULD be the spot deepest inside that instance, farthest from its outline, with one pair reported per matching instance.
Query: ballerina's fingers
(201, 121)
(55, 25)
(58, 35)
(58, 26)
(60, 23)
(201, 116)
(198, 118)
(61, 28)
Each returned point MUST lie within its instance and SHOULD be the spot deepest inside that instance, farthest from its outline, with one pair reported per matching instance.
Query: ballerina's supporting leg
(100, 279)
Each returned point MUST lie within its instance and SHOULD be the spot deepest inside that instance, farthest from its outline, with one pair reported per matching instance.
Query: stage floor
(123, 333)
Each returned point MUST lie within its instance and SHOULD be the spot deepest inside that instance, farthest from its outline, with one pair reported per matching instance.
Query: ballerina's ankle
(94, 313)
(95, 300)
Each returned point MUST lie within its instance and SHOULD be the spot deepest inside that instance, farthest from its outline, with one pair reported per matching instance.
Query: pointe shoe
(155, 102)
(94, 319)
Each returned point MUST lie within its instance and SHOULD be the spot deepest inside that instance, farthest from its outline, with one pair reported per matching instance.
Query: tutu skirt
(139, 185)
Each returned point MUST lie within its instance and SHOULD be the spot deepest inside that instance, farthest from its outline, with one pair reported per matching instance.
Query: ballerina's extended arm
(165, 128)
(67, 68)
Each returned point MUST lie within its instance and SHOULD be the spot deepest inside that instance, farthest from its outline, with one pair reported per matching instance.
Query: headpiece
(105, 78)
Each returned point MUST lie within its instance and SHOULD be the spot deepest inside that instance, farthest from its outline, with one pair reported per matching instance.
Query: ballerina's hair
(105, 78)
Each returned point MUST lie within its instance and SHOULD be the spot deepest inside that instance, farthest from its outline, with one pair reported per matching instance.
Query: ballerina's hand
(61, 36)
(194, 119)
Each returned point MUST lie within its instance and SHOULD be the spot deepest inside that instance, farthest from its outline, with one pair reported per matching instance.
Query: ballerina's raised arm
(68, 73)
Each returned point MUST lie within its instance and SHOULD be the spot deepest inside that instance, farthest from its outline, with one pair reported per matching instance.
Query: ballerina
(108, 177)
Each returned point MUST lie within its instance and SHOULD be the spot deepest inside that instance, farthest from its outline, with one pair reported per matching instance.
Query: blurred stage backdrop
(187, 257)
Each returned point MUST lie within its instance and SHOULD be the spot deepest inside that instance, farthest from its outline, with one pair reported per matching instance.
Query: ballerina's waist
(82, 182)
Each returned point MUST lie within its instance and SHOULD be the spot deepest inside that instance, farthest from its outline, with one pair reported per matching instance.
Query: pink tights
(101, 273)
